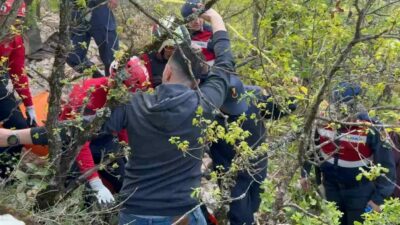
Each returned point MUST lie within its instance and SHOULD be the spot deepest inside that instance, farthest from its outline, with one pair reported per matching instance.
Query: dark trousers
(106, 40)
(11, 117)
(351, 201)
(242, 211)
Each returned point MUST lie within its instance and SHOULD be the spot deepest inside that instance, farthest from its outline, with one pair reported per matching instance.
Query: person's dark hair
(195, 58)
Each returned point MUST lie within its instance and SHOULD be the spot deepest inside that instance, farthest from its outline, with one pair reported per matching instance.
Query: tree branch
(9, 19)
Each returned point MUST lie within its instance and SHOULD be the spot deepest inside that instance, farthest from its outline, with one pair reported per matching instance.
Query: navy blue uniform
(241, 211)
(99, 24)
(359, 148)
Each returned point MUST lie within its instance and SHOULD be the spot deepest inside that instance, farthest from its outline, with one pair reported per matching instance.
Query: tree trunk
(256, 22)
(51, 194)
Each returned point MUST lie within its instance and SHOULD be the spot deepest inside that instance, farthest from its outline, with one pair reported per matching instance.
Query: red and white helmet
(138, 75)
(6, 7)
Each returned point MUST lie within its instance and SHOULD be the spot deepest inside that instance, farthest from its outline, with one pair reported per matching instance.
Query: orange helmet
(6, 7)
(137, 76)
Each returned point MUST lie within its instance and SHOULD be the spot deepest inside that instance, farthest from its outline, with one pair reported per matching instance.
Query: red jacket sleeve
(85, 161)
(123, 136)
(16, 63)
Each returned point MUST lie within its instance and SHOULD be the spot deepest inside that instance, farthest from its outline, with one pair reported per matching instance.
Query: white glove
(30, 110)
(8, 219)
(103, 194)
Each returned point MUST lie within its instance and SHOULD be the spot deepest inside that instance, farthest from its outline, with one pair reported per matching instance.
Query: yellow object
(304, 90)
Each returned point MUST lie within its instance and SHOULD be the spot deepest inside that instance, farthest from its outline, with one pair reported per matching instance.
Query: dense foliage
(322, 42)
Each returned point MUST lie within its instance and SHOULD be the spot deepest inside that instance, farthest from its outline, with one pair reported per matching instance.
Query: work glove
(103, 195)
(8, 219)
(31, 116)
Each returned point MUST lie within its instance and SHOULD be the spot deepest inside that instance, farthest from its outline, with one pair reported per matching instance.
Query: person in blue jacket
(159, 177)
(97, 21)
(247, 182)
(347, 149)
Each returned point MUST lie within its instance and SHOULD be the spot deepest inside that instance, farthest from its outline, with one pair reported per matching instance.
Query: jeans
(195, 218)
(242, 211)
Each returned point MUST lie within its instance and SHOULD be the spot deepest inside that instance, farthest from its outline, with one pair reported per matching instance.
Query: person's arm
(24, 136)
(19, 78)
(220, 40)
(383, 156)
(16, 71)
(85, 163)
(117, 121)
(216, 21)
(39, 135)
(215, 86)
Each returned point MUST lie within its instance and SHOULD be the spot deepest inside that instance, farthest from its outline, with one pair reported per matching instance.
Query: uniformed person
(348, 149)
(97, 21)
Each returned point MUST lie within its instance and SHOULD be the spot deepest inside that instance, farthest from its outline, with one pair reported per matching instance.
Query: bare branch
(382, 7)
(9, 19)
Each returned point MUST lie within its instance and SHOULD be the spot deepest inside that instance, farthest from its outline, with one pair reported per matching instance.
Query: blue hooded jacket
(159, 178)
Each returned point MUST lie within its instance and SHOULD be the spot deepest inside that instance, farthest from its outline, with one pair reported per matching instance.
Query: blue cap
(345, 92)
(186, 9)
(234, 104)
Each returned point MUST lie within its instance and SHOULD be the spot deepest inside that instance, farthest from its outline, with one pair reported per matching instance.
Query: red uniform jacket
(354, 151)
(96, 89)
(14, 50)
(201, 38)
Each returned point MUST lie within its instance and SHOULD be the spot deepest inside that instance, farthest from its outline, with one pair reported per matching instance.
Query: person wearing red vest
(95, 150)
(347, 149)
(12, 66)
(201, 33)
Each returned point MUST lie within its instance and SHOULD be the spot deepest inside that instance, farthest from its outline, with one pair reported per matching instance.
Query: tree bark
(256, 22)
(50, 195)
